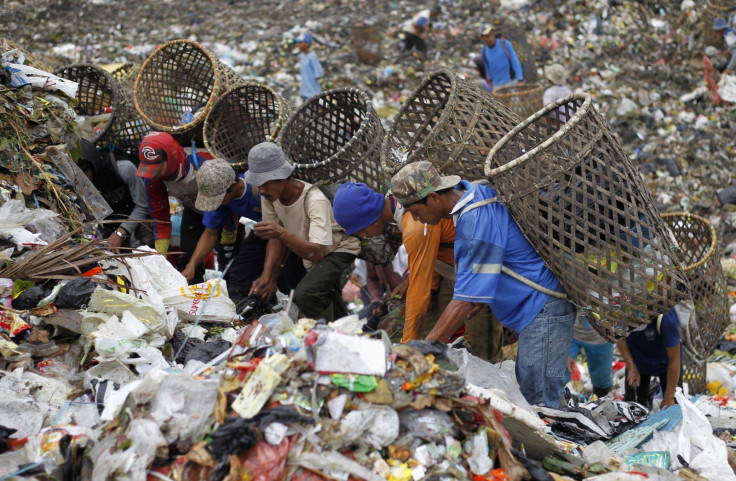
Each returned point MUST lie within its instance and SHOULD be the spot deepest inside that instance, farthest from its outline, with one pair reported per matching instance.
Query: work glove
(162, 245)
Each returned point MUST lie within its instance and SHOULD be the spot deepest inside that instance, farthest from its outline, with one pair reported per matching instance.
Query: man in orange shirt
(430, 248)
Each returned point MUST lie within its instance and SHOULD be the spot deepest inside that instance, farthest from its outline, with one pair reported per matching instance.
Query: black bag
(379, 250)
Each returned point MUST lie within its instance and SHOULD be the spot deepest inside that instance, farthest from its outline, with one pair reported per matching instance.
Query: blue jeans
(599, 358)
(543, 349)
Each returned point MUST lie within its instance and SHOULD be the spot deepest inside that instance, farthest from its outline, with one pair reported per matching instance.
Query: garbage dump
(113, 367)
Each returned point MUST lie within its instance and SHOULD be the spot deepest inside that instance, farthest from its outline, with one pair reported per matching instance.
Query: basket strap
(506, 270)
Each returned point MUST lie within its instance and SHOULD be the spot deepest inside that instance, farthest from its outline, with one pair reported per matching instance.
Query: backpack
(378, 250)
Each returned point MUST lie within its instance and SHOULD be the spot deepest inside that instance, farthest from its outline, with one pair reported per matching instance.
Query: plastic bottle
(88, 193)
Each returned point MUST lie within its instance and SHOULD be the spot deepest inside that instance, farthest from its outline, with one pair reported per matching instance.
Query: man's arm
(158, 204)
(317, 67)
(303, 248)
(206, 243)
(451, 319)
(632, 376)
(265, 286)
(127, 172)
(673, 375)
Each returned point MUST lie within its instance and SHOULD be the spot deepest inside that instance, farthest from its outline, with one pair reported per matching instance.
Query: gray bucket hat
(266, 161)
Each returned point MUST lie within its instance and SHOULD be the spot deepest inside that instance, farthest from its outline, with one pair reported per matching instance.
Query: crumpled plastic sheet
(145, 438)
(14, 216)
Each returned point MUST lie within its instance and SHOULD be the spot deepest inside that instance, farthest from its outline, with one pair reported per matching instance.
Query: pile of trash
(113, 367)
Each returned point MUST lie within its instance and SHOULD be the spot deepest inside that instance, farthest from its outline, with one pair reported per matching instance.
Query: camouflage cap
(213, 179)
(415, 181)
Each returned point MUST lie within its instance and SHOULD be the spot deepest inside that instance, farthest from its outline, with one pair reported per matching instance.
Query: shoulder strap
(503, 45)
(506, 270)
(306, 211)
(659, 324)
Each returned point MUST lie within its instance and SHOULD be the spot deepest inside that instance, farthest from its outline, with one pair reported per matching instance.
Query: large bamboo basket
(700, 254)
(580, 201)
(524, 99)
(99, 94)
(242, 117)
(449, 122)
(177, 87)
(336, 136)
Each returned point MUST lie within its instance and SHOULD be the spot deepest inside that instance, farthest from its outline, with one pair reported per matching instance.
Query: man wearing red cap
(168, 171)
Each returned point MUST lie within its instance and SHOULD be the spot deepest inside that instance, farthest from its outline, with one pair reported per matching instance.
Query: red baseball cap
(152, 155)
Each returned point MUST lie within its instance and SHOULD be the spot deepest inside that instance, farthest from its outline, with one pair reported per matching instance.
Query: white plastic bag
(190, 302)
(153, 275)
(21, 75)
(707, 454)
(727, 88)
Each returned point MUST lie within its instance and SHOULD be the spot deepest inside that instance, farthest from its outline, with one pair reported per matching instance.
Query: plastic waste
(88, 193)
(427, 424)
(233, 437)
(14, 216)
(76, 293)
(190, 302)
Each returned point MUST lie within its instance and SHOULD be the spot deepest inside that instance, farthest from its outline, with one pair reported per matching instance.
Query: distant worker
(653, 350)
(720, 25)
(555, 73)
(414, 31)
(311, 68)
(499, 59)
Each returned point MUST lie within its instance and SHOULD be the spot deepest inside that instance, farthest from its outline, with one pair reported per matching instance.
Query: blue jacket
(497, 63)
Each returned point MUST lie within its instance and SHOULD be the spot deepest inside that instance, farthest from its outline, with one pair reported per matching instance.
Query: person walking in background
(499, 59)
(555, 73)
(311, 68)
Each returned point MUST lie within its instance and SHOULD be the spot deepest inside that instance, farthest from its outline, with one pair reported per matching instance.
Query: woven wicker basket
(449, 122)
(335, 136)
(700, 254)
(367, 43)
(126, 74)
(714, 9)
(98, 94)
(580, 201)
(524, 99)
(241, 118)
(177, 87)
(517, 37)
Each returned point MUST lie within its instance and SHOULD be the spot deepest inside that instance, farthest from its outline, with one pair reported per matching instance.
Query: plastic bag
(21, 75)
(14, 216)
(427, 424)
(182, 406)
(153, 275)
(233, 437)
(727, 88)
(119, 303)
(707, 454)
(190, 302)
(76, 293)
(145, 440)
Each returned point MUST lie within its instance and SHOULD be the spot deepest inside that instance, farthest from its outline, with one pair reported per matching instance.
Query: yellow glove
(162, 245)
(228, 237)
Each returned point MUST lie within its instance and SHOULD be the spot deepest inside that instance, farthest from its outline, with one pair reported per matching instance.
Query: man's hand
(264, 288)
(188, 272)
(667, 401)
(632, 376)
(378, 308)
(401, 289)
(268, 230)
(114, 241)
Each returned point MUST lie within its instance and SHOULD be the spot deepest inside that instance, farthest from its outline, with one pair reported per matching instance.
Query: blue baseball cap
(305, 37)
